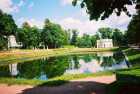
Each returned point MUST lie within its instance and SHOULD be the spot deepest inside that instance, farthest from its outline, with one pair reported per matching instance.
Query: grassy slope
(52, 82)
(127, 77)
(26, 55)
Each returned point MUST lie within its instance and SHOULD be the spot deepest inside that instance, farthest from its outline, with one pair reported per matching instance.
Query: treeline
(116, 35)
(54, 36)
(51, 36)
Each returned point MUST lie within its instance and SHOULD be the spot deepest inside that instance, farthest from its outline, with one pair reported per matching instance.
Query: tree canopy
(53, 36)
(7, 27)
(7, 24)
(133, 31)
(104, 8)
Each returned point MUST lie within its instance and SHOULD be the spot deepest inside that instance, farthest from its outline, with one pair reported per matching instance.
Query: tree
(53, 36)
(84, 41)
(74, 37)
(7, 27)
(118, 38)
(133, 31)
(104, 8)
(94, 40)
(7, 24)
(105, 33)
(3, 42)
(29, 36)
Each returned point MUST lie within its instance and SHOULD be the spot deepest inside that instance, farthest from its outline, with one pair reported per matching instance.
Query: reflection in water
(46, 68)
(13, 69)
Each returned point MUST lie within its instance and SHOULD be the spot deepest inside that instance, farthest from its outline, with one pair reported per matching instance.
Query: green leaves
(102, 9)
(53, 36)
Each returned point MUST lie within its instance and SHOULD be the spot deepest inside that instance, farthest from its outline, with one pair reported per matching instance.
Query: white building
(12, 42)
(104, 43)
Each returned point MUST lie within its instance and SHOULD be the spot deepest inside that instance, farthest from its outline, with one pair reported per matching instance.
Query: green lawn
(27, 55)
(53, 81)
(127, 77)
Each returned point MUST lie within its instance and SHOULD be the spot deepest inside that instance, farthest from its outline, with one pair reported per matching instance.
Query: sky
(61, 12)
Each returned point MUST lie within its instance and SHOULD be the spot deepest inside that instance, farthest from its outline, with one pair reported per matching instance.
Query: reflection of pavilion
(84, 67)
(105, 54)
(104, 61)
(13, 69)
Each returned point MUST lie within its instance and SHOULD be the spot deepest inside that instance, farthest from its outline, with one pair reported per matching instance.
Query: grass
(53, 81)
(127, 77)
(27, 55)
(133, 55)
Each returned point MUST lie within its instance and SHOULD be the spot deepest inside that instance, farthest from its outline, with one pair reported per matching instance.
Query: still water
(45, 68)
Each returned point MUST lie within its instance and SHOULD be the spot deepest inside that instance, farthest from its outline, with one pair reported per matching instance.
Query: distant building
(12, 42)
(104, 43)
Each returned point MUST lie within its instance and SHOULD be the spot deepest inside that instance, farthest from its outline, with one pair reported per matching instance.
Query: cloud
(7, 6)
(89, 27)
(66, 2)
(32, 22)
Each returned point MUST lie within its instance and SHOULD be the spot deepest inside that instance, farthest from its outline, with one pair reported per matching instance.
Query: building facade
(12, 42)
(104, 43)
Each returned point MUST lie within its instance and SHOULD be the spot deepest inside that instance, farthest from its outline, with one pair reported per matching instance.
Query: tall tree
(84, 41)
(74, 37)
(29, 36)
(53, 36)
(7, 27)
(118, 38)
(105, 33)
(133, 31)
(94, 40)
(7, 24)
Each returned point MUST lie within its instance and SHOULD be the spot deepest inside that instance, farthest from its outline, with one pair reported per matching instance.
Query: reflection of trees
(107, 61)
(31, 69)
(75, 61)
(56, 66)
(119, 57)
(4, 71)
(88, 57)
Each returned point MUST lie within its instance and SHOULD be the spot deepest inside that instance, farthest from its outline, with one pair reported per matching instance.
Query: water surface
(45, 68)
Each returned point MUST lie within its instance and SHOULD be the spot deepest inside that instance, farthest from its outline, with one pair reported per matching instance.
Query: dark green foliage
(102, 9)
(7, 27)
(29, 36)
(133, 31)
(53, 36)
(3, 42)
(84, 41)
(7, 24)
(119, 38)
(105, 33)
(74, 37)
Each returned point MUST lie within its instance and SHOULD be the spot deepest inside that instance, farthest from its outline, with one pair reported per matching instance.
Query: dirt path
(81, 86)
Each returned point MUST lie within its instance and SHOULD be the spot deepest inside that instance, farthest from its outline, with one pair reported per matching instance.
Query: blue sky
(61, 12)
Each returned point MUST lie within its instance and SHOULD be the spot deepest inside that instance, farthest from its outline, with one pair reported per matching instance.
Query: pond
(45, 68)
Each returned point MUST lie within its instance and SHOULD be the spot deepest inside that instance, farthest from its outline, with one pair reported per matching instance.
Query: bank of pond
(47, 68)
